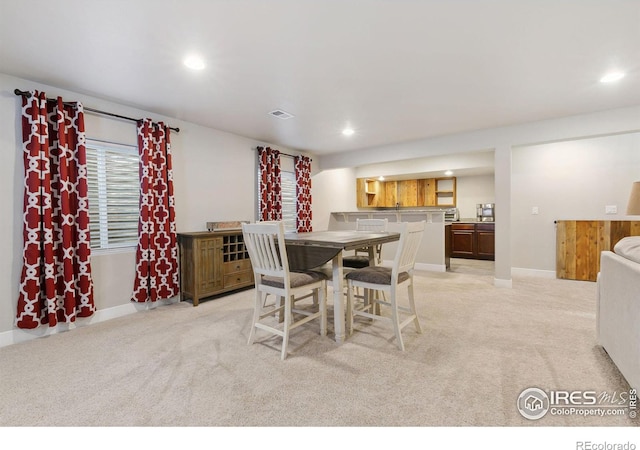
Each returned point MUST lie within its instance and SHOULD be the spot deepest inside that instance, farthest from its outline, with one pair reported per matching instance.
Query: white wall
(572, 180)
(215, 179)
(332, 190)
(472, 190)
(11, 182)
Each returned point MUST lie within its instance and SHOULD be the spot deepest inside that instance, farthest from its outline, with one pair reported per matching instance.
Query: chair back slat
(371, 224)
(266, 247)
(410, 238)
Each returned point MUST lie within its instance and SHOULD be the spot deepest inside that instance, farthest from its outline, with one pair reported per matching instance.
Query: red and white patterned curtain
(303, 193)
(55, 284)
(157, 253)
(270, 184)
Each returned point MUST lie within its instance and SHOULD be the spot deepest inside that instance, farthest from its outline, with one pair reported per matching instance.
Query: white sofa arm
(618, 313)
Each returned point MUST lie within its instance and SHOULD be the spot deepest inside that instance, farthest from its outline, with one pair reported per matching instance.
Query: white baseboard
(501, 283)
(524, 272)
(431, 267)
(18, 335)
(420, 266)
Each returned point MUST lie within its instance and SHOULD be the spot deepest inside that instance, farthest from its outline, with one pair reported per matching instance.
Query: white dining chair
(360, 258)
(388, 280)
(268, 254)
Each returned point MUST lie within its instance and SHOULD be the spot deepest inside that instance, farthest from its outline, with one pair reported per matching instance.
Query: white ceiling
(394, 70)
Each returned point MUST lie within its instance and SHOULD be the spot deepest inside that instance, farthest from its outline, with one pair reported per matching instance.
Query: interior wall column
(502, 277)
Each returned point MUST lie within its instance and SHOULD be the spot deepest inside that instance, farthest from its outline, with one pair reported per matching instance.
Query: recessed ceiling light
(380, 178)
(611, 77)
(347, 131)
(448, 173)
(194, 62)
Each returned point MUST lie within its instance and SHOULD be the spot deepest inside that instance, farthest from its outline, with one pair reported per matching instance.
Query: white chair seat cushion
(629, 247)
(297, 279)
(375, 275)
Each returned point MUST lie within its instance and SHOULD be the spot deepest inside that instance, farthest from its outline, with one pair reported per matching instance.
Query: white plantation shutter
(288, 185)
(114, 194)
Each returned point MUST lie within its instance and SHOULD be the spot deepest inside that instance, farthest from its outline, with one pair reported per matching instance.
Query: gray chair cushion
(375, 275)
(357, 262)
(297, 279)
(327, 271)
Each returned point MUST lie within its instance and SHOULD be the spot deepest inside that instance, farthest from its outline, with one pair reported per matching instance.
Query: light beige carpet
(183, 366)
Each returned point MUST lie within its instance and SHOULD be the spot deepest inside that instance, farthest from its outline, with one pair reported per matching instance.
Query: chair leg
(412, 306)
(357, 292)
(287, 325)
(366, 295)
(375, 306)
(256, 315)
(395, 318)
(349, 308)
(323, 310)
(384, 298)
(280, 313)
(370, 304)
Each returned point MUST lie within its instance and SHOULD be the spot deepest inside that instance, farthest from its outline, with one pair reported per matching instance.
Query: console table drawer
(238, 278)
(236, 266)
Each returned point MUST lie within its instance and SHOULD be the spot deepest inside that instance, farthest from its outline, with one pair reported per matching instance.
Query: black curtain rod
(286, 154)
(97, 111)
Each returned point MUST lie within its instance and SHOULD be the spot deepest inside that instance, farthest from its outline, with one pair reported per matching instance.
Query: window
(288, 185)
(287, 192)
(114, 194)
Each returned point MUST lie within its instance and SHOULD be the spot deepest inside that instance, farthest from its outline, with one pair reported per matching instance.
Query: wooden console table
(579, 243)
(212, 263)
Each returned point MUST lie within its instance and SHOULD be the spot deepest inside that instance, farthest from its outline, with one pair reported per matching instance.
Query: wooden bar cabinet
(212, 263)
(580, 242)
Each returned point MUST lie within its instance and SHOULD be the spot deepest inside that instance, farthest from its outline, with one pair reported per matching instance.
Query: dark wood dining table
(309, 250)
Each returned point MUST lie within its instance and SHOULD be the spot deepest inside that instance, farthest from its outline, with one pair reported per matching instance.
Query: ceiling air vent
(280, 114)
